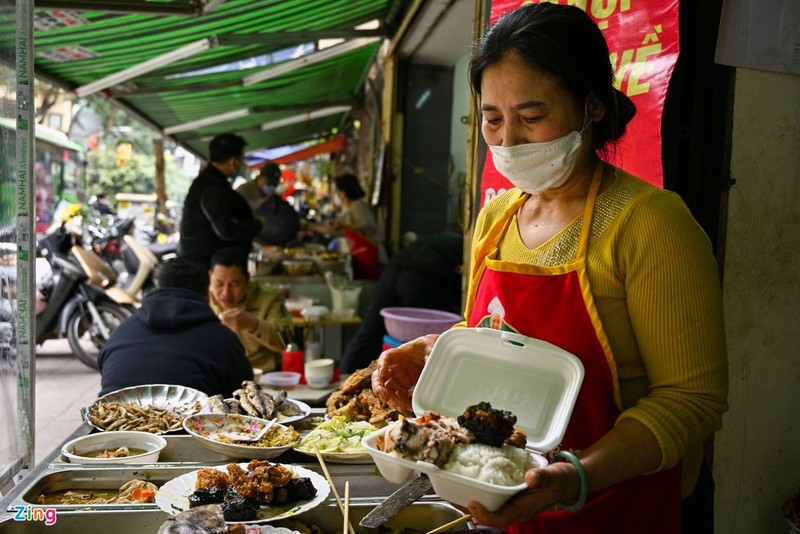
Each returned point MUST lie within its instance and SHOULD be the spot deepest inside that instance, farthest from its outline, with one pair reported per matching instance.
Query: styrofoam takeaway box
(535, 380)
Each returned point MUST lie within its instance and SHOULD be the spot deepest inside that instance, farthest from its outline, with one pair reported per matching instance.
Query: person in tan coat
(255, 311)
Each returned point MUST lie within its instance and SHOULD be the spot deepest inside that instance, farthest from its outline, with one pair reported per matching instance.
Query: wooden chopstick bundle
(333, 487)
(346, 513)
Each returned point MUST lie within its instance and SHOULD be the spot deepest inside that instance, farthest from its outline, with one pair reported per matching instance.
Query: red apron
(555, 304)
(365, 255)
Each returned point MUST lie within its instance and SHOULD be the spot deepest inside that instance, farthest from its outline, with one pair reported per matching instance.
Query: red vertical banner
(644, 44)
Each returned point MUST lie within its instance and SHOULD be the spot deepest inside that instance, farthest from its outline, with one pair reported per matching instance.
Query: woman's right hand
(398, 371)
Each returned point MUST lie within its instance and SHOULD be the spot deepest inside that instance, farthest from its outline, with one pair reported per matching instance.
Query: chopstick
(333, 487)
(346, 523)
(462, 519)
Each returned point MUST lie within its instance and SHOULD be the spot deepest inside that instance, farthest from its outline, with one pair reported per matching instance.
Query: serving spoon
(249, 436)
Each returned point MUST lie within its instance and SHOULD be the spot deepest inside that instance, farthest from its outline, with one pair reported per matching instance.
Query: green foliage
(177, 181)
(8, 208)
(135, 176)
(121, 127)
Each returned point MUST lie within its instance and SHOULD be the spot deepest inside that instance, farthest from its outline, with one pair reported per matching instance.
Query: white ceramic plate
(204, 427)
(181, 400)
(339, 441)
(173, 497)
(282, 419)
(341, 457)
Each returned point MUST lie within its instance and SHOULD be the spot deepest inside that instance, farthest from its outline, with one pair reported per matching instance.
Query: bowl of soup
(122, 447)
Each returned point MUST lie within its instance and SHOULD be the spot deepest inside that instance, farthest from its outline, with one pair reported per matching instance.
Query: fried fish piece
(212, 478)
(286, 407)
(253, 393)
(244, 403)
(216, 404)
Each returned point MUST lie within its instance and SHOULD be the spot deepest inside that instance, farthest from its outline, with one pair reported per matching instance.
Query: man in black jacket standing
(214, 215)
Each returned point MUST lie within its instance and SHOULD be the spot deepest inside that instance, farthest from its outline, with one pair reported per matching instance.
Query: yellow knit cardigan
(655, 283)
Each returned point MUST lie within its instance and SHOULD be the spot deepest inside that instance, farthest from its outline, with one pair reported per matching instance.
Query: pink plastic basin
(405, 324)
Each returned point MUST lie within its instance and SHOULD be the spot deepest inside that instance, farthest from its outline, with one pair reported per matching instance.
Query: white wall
(757, 453)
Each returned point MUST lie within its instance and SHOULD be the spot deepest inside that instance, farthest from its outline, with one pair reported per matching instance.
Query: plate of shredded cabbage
(338, 441)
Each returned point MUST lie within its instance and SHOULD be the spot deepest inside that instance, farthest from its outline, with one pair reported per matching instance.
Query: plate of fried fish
(154, 408)
(252, 400)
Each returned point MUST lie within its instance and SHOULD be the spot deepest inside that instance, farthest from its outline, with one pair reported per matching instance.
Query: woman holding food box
(602, 264)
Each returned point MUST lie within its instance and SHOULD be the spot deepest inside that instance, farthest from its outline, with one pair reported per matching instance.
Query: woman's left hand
(547, 487)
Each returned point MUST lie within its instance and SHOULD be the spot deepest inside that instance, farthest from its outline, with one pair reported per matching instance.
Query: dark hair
(231, 257)
(565, 43)
(348, 184)
(184, 274)
(272, 173)
(226, 146)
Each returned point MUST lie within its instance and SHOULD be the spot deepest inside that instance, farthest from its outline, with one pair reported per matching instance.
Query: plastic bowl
(333, 265)
(153, 444)
(405, 324)
(296, 305)
(264, 267)
(298, 267)
(282, 379)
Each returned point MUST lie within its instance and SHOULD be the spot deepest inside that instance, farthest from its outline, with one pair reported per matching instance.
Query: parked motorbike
(114, 259)
(69, 305)
(106, 240)
(142, 260)
(132, 276)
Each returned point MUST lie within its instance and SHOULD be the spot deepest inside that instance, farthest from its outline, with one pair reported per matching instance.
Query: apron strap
(588, 210)
(489, 244)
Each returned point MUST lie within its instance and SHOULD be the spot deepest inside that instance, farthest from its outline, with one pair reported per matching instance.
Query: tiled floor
(63, 386)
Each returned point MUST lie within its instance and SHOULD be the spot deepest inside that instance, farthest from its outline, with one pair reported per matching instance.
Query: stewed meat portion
(430, 438)
(489, 426)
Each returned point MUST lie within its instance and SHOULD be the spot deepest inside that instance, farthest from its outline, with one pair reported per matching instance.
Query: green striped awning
(262, 68)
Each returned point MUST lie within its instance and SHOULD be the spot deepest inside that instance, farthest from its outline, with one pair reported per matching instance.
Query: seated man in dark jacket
(214, 215)
(175, 338)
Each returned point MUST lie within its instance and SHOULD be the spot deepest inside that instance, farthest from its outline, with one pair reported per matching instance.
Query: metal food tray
(364, 483)
(422, 516)
(103, 478)
(181, 456)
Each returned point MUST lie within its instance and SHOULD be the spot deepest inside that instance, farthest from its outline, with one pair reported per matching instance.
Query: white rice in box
(503, 466)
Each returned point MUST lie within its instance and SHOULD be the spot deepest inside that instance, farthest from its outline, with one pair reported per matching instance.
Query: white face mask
(537, 167)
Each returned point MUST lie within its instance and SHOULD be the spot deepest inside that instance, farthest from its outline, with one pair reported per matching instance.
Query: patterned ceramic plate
(205, 429)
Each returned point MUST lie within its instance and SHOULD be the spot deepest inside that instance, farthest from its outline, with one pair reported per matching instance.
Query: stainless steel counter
(183, 454)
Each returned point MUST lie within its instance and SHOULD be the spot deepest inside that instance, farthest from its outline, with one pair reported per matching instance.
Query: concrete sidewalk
(63, 386)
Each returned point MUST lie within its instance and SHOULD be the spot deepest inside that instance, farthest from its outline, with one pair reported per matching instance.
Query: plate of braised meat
(255, 492)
